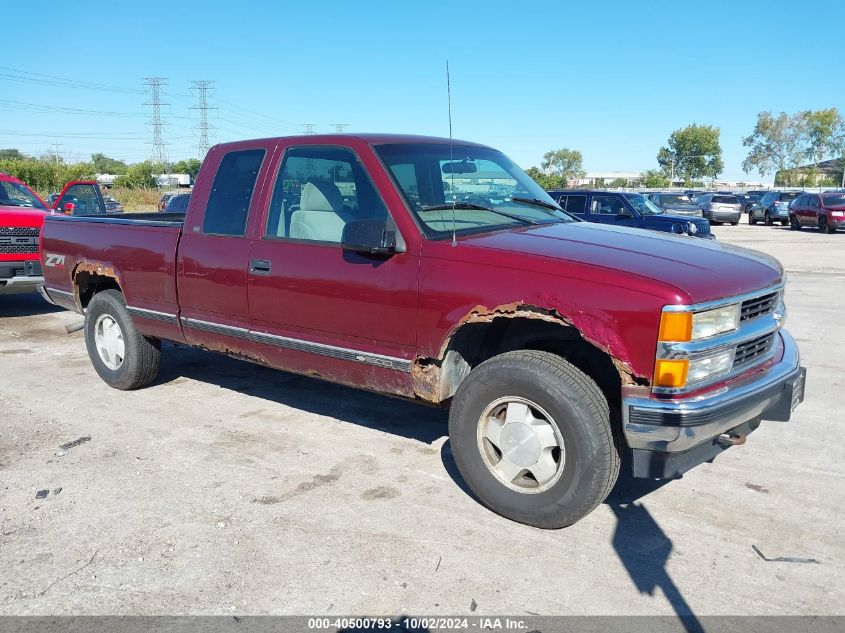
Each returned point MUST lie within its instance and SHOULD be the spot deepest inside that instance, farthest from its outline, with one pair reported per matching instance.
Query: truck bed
(138, 249)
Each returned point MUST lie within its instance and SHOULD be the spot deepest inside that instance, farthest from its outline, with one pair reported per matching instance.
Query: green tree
(139, 176)
(776, 144)
(692, 153)
(189, 166)
(546, 181)
(824, 134)
(565, 163)
(618, 183)
(654, 179)
(106, 165)
(12, 154)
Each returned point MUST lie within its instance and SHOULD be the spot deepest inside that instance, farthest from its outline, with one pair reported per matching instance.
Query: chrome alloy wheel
(521, 445)
(108, 339)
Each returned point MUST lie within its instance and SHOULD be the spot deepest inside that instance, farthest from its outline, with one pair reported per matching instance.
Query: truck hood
(21, 217)
(704, 270)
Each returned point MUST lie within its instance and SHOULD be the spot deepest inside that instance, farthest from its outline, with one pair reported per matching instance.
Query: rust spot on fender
(435, 379)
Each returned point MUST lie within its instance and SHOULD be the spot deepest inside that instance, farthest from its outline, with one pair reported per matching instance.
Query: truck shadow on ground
(23, 305)
(642, 545)
(370, 410)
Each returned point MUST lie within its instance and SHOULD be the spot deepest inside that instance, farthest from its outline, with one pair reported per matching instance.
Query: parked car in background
(693, 194)
(747, 200)
(627, 209)
(719, 208)
(178, 203)
(112, 205)
(772, 207)
(557, 345)
(22, 215)
(675, 203)
(165, 198)
(826, 211)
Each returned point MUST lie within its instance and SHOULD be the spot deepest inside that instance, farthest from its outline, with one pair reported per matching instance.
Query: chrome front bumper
(19, 285)
(673, 435)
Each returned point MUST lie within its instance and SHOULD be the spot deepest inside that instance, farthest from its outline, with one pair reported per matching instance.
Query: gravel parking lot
(230, 488)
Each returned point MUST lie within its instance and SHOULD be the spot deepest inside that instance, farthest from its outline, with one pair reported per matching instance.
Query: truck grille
(751, 351)
(18, 240)
(758, 306)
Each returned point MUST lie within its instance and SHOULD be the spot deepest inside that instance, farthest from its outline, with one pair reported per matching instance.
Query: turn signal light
(675, 326)
(670, 373)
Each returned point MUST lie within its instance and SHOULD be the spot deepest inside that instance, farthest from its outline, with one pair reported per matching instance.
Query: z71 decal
(54, 261)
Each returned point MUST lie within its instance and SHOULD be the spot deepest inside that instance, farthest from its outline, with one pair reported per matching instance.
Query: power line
(154, 84)
(202, 87)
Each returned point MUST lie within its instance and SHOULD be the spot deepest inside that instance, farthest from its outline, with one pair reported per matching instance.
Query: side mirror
(368, 236)
(68, 208)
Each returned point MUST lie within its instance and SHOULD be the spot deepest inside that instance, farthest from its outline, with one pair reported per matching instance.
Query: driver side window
(607, 205)
(317, 191)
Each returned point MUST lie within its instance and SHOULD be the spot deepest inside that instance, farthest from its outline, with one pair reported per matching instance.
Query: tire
(734, 223)
(824, 227)
(140, 359)
(784, 222)
(768, 220)
(751, 219)
(793, 223)
(565, 399)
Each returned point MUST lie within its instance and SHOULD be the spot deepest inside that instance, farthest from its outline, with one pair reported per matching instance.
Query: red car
(440, 272)
(22, 214)
(825, 211)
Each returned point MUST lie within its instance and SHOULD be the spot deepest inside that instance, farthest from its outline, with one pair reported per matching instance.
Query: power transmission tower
(202, 88)
(308, 128)
(56, 146)
(339, 126)
(159, 146)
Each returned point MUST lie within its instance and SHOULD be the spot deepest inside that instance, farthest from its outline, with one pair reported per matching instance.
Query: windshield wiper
(464, 206)
(537, 203)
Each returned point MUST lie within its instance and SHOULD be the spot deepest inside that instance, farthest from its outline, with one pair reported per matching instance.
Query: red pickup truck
(437, 271)
(22, 213)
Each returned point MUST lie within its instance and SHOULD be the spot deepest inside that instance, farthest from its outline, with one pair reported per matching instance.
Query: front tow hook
(731, 439)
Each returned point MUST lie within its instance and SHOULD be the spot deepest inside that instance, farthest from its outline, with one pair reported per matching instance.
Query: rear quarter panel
(140, 258)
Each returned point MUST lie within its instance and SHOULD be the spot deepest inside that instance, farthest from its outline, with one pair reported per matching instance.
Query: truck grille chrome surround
(753, 342)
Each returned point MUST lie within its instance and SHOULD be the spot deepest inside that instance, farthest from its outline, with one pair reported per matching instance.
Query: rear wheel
(123, 357)
(531, 437)
(824, 227)
(784, 222)
(793, 223)
(751, 218)
(769, 220)
(734, 223)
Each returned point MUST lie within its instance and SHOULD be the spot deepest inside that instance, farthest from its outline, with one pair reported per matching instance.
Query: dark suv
(627, 209)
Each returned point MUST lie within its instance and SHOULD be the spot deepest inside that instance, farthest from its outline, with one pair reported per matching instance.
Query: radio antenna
(451, 153)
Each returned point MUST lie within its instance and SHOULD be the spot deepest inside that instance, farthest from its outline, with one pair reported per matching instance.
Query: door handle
(259, 266)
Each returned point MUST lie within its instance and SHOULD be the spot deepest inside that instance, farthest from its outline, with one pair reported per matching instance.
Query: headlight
(710, 366)
(680, 327)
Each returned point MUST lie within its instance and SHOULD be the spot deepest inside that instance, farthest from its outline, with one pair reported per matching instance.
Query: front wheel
(751, 218)
(531, 437)
(793, 223)
(769, 220)
(122, 356)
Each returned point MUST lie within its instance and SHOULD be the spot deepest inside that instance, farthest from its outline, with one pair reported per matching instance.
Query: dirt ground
(230, 488)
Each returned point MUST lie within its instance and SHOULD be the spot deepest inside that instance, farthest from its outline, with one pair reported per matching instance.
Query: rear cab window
(231, 193)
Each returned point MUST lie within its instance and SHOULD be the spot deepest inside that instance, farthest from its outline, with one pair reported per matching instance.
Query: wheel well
(473, 343)
(88, 284)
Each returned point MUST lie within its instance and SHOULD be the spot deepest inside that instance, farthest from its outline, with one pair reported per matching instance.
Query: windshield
(643, 204)
(487, 189)
(674, 198)
(725, 200)
(834, 201)
(13, 194)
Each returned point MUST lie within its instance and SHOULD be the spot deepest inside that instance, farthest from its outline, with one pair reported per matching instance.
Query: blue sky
(611, 79)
